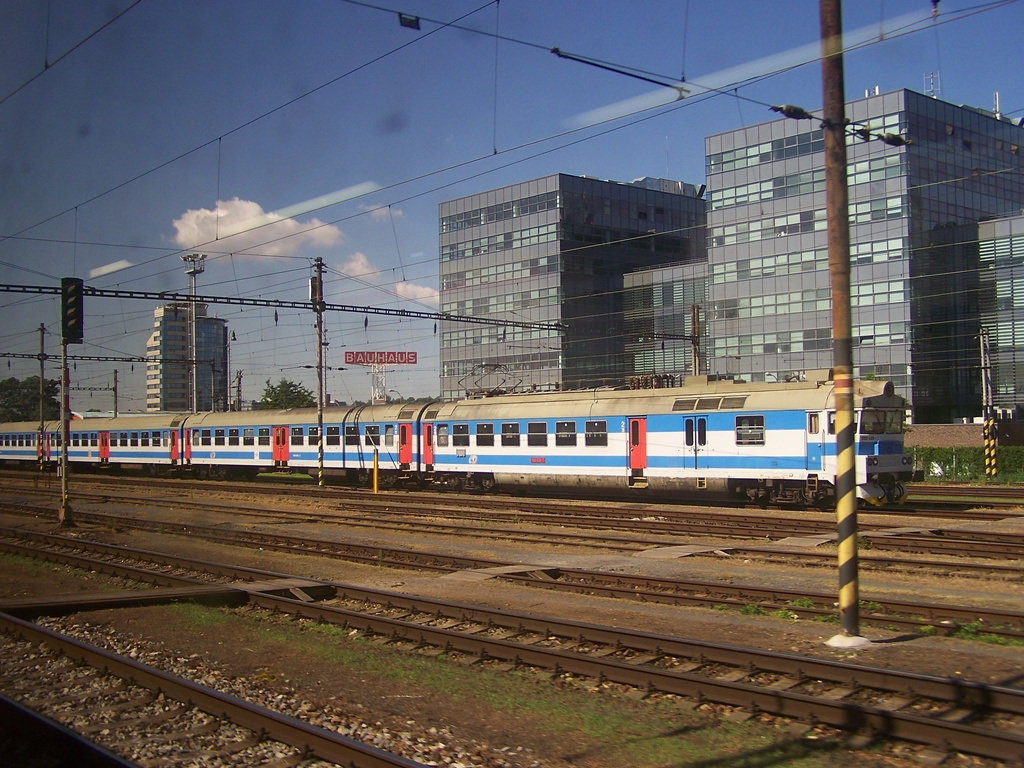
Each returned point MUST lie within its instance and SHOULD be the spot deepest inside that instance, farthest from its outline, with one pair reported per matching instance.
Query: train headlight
(907, 460)
(872, 461)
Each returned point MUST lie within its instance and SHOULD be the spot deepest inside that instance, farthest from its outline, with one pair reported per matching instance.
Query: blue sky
(266, 133)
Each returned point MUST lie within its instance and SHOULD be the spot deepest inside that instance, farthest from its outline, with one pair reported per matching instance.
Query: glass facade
(167, 381)
(1001, 255)
(553, 250)
(914, 277)
(663, 306)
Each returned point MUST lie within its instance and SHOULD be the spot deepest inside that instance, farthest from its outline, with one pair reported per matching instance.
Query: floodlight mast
(195, 262)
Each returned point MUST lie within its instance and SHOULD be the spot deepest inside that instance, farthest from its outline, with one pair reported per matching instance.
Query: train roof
(698, 394)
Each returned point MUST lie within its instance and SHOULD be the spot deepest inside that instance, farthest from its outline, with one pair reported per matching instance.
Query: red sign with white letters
(380, 358)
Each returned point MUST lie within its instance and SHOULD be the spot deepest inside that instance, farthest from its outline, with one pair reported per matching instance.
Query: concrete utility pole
(195, 262)
(42, 395)
(834, 127)
(316, 296)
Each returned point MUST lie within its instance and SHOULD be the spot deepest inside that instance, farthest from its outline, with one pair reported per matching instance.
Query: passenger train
(765, 443)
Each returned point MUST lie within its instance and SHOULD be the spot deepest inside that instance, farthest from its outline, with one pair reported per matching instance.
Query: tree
(286, 394)
(19, 400)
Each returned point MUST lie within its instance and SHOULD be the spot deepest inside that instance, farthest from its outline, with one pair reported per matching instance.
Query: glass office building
(167, 379)
(914, 279)
(553, 251)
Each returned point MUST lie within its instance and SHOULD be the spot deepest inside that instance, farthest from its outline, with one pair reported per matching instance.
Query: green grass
(607, 727)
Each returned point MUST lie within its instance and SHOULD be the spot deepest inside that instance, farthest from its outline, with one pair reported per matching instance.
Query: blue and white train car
(354, 437)
(768, 443)
(20, 442)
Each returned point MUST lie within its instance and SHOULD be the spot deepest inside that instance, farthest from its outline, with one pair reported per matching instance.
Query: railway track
(642, 527)
(151, 716)
(913, 616)
(953, 502)
(939, 714)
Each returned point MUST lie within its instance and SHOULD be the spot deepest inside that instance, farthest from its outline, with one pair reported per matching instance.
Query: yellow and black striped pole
(834, 127)
(991, 436)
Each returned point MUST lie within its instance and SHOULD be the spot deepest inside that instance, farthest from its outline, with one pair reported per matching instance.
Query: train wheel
(487, 483)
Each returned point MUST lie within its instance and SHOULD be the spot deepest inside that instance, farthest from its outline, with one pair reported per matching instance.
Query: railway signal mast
(71, 332)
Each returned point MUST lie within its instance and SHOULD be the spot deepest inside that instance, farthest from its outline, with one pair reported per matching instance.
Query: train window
(735, 401)
(813, 423)
(460, 434)
(232, 437)
(218, 437)
(195, 436)
(441, 433)
(314, 436)
(750, 430)
(689, 432)
(297, 435)
(708, 403)
(702, 431)
(157, 438)
(389, 434)
(207, 437)
(565, 433)
(93, 439)
(334, 435)
(352, 434)
(685, 404)
(74, 440)
(264, 436)
(372, 436)
(144, 439)
(124, 440)
(537, 433)
(510, 433)
(831, 422)
(248, 436)
(134, 440)
(596, 433)
(484, 435)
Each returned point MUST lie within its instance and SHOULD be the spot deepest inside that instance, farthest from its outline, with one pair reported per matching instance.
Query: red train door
(174, 446)
(428, 447)
(104, 446)
(280, 446)
(405, 445)
(186, 435)
(637, 451)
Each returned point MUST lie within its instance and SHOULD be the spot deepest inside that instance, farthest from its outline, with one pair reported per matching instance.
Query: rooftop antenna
(932, 85)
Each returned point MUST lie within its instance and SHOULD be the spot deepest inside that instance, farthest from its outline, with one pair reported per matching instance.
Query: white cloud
(242, 225)
(358, 266)
(421, 293)
(382, 212)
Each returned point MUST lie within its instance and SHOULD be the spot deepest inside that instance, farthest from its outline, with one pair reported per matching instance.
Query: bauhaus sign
(380, 358)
